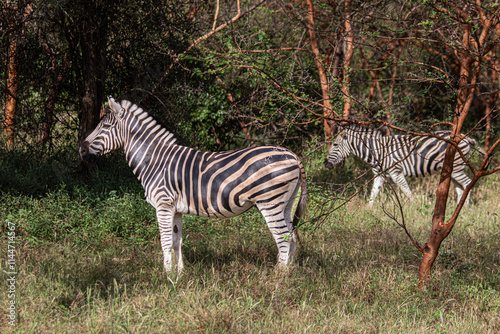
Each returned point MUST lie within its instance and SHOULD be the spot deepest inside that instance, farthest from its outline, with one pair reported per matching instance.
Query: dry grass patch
(357, 272)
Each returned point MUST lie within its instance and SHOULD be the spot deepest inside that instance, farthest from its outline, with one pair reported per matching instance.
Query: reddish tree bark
(12, 66)
(12, 86)
(493, 98)
(328, 112)
(20, 12)
(349, 50)
(470, 54)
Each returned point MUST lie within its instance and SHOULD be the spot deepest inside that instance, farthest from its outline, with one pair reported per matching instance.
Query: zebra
(399, 156)
(179, 180)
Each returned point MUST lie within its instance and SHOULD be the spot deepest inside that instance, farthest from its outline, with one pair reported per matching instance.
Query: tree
(18, 13)
(57, 74)
(470, 31)
(322, 63)
(88, 40)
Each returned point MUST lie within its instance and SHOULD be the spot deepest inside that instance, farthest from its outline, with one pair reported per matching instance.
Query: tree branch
(206, 36)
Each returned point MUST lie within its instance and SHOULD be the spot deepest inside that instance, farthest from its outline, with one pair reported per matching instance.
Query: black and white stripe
(180, 180)
(398, 156)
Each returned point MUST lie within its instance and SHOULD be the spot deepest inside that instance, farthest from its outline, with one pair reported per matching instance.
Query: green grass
(89, 260)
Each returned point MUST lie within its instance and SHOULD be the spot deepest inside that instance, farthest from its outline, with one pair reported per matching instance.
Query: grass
(89, 260)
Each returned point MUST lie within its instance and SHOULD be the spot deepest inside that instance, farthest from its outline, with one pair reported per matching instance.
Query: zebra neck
(366, 147)
(143, 149)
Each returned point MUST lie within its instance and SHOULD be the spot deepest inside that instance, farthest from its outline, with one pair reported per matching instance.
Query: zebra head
(337, 152)
(106, 137)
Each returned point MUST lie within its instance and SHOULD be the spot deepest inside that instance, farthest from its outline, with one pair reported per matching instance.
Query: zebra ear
(116, 108)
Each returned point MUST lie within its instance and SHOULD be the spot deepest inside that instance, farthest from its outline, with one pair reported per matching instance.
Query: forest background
(228, 74)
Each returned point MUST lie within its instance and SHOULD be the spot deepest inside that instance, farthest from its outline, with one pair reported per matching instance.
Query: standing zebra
(398, 156)
(180, 180)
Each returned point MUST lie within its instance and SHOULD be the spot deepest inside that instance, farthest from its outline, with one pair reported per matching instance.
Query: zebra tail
(301, 206)
(471, 141)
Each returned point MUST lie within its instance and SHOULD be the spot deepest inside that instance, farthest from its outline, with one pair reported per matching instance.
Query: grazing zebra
(398, 156)
(180, 180)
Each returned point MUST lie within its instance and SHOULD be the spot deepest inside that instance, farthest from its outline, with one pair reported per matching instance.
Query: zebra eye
(107, 121)
(120, 113)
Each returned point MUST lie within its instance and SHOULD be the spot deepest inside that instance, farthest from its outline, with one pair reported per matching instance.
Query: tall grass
(89, 260)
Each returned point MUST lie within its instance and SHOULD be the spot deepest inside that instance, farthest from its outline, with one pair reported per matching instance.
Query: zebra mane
(142, 116)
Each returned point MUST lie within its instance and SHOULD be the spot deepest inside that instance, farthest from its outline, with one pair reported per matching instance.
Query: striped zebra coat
(180, 180)
(398, 156)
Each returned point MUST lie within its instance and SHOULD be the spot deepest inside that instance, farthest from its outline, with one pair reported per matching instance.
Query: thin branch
(275, 50)
(222, 26)
(403, 223)
(217, 13)
(206, 36)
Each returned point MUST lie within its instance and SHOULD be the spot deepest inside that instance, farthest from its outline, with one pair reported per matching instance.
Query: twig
(207, 35)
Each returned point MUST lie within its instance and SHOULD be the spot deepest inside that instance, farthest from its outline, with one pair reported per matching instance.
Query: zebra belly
(235, 210)
(238, 210)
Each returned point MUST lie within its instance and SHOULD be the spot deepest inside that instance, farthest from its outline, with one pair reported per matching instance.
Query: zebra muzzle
(84, 150)
(328, 164)
(331, 165)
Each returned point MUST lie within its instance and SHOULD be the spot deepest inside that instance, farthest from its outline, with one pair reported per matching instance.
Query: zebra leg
(461, 181)
(460, 192)
(281, 228)
(294, 238)
(177, 241)
(165, 216)
(378, 182)
(400, 180)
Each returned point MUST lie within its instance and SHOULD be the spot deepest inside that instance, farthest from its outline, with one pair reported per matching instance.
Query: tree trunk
(440, 228)
(488, 111)
(323, 79)
(470, 52)
(493, 98)
(20, 12)
(93, 41)
(55, 88)
(12, 86)
(349, 50)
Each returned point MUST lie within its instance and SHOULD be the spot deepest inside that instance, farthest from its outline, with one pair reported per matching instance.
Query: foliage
(403, 69)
